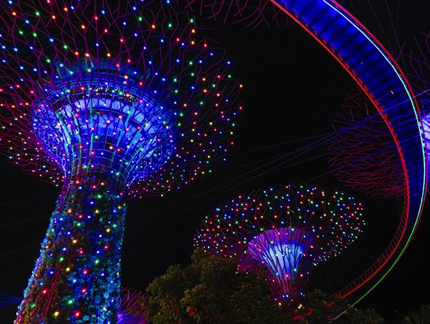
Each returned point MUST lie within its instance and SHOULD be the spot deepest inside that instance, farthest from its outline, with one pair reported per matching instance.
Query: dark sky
(293, 90)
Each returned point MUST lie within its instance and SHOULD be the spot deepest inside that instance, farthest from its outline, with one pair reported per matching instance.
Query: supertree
(287, 230)
(109, 101)
(362, 153)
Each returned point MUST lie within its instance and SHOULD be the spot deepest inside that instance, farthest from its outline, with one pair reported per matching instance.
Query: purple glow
(284, 232)
(104, 129)
(281, 251)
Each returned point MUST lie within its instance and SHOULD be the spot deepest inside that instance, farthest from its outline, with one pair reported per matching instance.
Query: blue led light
(105, 130)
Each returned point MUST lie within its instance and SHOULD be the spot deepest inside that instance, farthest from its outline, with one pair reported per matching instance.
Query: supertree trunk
(77, 276)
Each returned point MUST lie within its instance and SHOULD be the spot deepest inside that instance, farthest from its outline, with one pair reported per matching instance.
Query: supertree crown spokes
(147, 69)
(252, 13)
(98, 126)
(286, 230)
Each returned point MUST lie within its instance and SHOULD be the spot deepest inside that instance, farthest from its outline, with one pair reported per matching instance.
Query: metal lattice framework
(109, 101)
(287, 230)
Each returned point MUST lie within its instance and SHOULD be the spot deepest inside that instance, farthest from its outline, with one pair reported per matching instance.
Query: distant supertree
(251, 12)
(286, 230)
(110, 101)
(363, 154)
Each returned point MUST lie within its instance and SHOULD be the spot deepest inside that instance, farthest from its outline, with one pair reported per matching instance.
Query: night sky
(293, 91)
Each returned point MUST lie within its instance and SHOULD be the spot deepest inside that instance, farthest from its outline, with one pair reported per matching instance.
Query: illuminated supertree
(110, 101)
(287, 230)
(253, 13)
(363, 154)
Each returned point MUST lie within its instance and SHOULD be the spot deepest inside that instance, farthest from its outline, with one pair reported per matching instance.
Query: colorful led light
(109, 105)
(363, 154)
(369, 63)
(287, 230)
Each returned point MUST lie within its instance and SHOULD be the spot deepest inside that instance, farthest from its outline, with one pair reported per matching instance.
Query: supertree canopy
(286, 230)
(108, 100)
